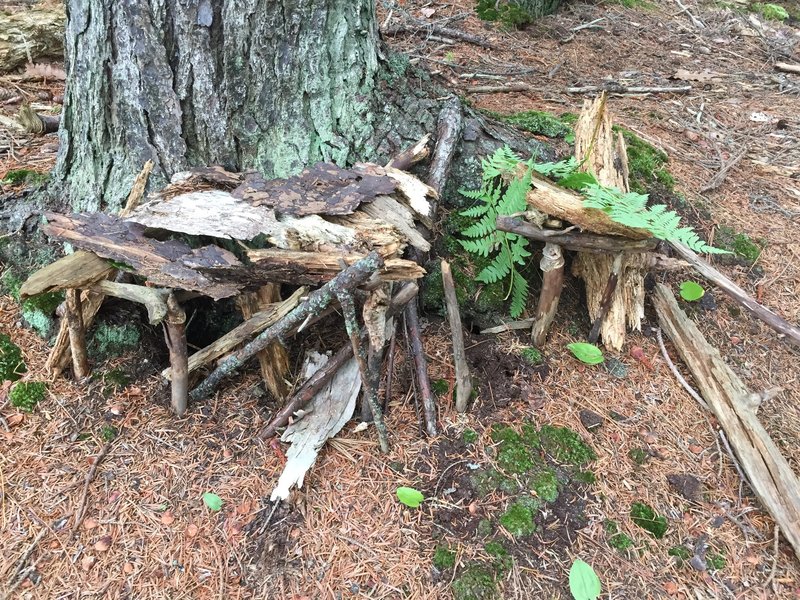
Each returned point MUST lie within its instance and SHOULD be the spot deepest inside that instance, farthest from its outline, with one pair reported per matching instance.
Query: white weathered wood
(393, 212)
(326, 414)
(769, 473)
(415, 193)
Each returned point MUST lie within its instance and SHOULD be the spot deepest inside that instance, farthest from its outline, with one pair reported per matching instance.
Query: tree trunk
(246, 84)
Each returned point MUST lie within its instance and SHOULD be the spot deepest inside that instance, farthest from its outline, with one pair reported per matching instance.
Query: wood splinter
(463, 380)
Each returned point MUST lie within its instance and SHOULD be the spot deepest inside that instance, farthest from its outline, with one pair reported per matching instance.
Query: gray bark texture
(267, 85)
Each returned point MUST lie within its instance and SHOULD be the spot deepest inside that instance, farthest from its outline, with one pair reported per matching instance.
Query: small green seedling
(584, 584)
(410, 497)
(691, 291)
(212, 501)
(586, 353)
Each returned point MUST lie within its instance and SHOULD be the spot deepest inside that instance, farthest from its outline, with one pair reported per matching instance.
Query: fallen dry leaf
(128, 568)
(87, 562)
(90, 523)
(427, 12)
(192, 530)
(103, 544)
(671, 588)
(167, 518)
(15, 420)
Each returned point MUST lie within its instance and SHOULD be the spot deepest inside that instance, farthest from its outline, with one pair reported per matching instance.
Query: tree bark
(269, 86)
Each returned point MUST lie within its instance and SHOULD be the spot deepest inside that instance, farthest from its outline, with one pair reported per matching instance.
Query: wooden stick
(367, 379)
(410, 156)
(316, 382)
(81, 511)
(175, 335)
(552, 265)
(428, 401)
(61, 354)
(769, 473)
(759, 311)
(787, 67)
(318, 301)
(77, 335)
(575, 240)
(463, 380)
(616, 88)
(154, 299)
(695, 21)
(33, 122)
(606, 299)
(448, 133)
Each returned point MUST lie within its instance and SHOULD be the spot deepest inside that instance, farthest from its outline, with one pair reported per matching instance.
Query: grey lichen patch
(113, 340)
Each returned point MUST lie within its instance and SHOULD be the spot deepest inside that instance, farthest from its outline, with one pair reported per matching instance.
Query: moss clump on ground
(518, 519)
(617, 539)
(485, 528)
(113, 340)
(17, 176)
(682, 553)
(716, 560)
(440, 386)
(637, 455)
(739, 243)
(510, 14)
(646, 164)
(109, 433)
(11, 364)
(38, 311)
(565, 445)
(545, 484)
(469, 436)
(645, 517)
(444, 558)
(25, 395)
(537, 122)
(476, 582)
(532, 355)
(502, 561)
(10, 282)
(771, 12)
(488, 480)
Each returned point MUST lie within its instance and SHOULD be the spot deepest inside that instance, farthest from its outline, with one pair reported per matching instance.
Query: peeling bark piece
(393, 212)
(77, 270)
(329, 410)
(769, 473)
(324, 189)
(160, 262)
(213, 213)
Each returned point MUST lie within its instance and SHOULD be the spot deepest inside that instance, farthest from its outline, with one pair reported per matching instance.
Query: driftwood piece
(175, 336)
(552, 265)
(426, 398)
(251, 327)
(463, 379)
(77, 270)
(312, 385)
(30, 35)
(274, 359)
(301, 268)
(153, 299)
(318, 301)
(603, 153)
(575, 240)
(77, 335)
(33, 122)
(768, 472)
(759, 311)
(170, 264)
(329, 410)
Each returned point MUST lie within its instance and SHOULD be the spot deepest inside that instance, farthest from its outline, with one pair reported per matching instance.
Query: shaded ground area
(147, 534)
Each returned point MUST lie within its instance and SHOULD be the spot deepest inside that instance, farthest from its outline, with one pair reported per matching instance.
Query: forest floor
(147, 535)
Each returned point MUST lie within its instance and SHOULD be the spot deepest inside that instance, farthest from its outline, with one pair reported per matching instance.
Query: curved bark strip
(247, 84)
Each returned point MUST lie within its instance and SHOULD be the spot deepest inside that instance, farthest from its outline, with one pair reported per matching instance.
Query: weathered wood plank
(769, 473)
(75, 271)
(170, 264)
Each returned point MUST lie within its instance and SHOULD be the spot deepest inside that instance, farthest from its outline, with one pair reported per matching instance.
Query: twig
(590, 25)
(677, 373)
(719, 178)
(17, 576)
(787, 67)
(552, 265)
(367, 379)
(390, 369)
(613, 87)
(742, 476)
(511, 326)
(427, 400)
(695, 21)
(463, 381)
(500, 89)
(80, 513)
(774, 568)
(448, 32)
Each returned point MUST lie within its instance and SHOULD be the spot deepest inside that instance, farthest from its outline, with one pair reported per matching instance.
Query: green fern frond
(519, 294)
(482, 247)
(557, 170)
(483, 228)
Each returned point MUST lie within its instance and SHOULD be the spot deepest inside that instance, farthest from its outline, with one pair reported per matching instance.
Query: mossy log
(31, 35)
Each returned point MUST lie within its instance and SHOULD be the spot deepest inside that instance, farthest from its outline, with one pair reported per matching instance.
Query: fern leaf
(519, 294)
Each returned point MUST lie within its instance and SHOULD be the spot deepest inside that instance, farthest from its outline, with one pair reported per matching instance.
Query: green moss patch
(38, 311)
(646, 164)
(469, 436)
(532, 355)
(486, 481)
(114, 340)
(638, 456)
(440, 387)
(537, 122)
(444, 558)
(617, 539)
(771, 12)
(716, 561)
(545, 484)
(566, 446)
(26, 176)
(645, 517)
(739, 243)
(502, 561)
(25, 395)
(11, 364)
(476, 582)
(518, 519)
(109, 433)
